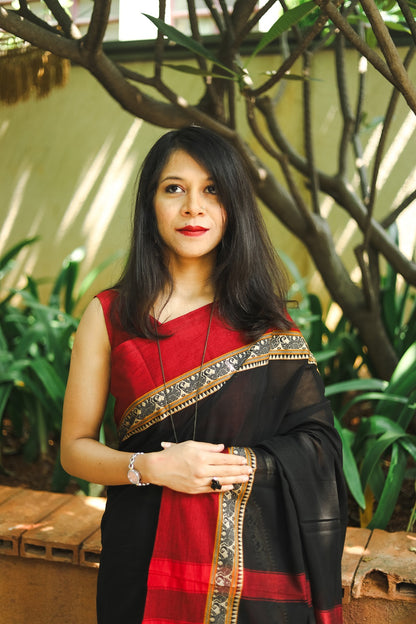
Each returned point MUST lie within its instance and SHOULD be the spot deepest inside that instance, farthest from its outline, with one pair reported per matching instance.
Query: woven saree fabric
(270, 550)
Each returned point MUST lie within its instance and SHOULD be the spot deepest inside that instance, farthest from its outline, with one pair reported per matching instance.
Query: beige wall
(69, 164)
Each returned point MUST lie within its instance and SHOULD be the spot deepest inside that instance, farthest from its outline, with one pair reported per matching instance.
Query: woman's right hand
(190, 466)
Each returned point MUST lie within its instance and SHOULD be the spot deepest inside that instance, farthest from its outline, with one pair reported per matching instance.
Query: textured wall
(69, 164)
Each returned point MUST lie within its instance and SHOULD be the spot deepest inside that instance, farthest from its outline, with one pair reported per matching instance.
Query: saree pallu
(270, 550)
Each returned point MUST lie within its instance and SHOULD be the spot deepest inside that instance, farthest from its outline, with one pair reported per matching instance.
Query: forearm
(187, 467)
(91, 460)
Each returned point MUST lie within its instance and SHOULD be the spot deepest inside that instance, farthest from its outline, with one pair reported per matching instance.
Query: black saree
(270, 550)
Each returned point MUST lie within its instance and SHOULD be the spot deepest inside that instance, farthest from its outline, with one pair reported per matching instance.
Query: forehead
(180, 164)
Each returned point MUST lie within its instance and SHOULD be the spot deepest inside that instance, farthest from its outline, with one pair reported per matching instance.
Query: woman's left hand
(191, 466)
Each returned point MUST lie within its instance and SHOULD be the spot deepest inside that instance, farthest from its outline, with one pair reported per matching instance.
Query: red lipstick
(192, 230)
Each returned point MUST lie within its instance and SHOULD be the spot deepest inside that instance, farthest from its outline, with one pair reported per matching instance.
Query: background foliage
(368, 359)
(287, 174)
(378, 442)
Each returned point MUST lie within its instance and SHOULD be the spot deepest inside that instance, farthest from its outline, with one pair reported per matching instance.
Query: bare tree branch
(215, 15)
(225, 12)
(282, 160)
(216, 110)
(136, 77)
(251, 23)
(391, 218)
(27, 14)
(331, 31)
(240, 16)
(388, 118)
(332, 12)
(378, 237)
(344, 195)
(160, 43)
(64, 19)
(408, 16)
(358, 148)
(390, 52)
(346, 110)
(193, 20)
(308, 139)
(39, 36)
(98, 24)
(288, 63)
(370, 277)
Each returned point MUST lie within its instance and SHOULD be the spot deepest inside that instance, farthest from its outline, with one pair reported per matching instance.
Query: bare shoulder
(92, 331)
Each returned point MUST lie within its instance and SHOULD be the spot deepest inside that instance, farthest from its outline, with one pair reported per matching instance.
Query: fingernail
(165, 444)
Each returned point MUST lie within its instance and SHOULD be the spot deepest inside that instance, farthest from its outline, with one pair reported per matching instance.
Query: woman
(222, 421)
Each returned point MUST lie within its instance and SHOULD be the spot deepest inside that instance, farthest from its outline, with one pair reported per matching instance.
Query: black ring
(215, 484)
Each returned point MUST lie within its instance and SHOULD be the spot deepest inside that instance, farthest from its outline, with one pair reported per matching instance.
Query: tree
(312, 24)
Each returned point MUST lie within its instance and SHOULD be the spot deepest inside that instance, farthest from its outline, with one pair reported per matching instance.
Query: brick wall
(50, 551)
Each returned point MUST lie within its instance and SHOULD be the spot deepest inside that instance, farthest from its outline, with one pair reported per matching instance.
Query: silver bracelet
(134, 475)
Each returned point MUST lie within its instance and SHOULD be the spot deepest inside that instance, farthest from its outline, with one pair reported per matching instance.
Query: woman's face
(190, 218)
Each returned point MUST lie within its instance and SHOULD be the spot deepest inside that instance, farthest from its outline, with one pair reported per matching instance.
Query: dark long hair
(249, 282)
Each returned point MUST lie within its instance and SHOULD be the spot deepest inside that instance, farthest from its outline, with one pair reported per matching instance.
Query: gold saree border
(182, 391)
(227, 570)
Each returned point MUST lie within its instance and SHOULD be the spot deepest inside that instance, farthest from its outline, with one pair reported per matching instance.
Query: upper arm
(89, 377)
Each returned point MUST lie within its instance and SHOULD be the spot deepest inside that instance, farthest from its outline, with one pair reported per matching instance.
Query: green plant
(35, 350)
(247, 102)
(378, 448)
(398, 303)
(339, 351)
(377, 454)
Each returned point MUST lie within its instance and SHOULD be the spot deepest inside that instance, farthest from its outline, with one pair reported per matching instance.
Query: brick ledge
(64, 528)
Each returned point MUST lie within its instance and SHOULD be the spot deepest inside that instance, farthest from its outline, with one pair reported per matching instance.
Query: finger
(167, 445)
(225, 459)
(207, 446)
(224, 485)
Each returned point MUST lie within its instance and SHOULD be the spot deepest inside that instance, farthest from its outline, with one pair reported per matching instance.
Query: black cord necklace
(167, 403)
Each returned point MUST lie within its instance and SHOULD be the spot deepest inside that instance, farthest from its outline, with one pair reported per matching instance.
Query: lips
(192, 230)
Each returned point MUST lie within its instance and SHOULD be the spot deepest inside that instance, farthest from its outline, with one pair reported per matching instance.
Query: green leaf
(53, 385)
(60, 478)
(352, 385)
(397, 26)
(406, 415)
(351, 473)
(188, 69)
(5, 391)
(378, 425)
(295, 77)
(375, 453)
(284, 23)
(66, 280)
(402, 382)
(370, 38)
(370, 396)
(324, 356)
(187, 42)
(409, 445)
(11, 253)
(391, 489)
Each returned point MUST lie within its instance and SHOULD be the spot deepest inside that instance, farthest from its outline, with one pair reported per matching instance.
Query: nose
(193, 204)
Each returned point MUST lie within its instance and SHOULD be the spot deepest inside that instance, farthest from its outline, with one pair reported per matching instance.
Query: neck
(192, 279)
(192, 288)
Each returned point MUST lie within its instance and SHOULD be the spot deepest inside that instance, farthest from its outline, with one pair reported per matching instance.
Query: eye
(173, 188)
(211, 189)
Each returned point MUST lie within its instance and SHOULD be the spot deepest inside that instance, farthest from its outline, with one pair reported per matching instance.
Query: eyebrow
(176, 177)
